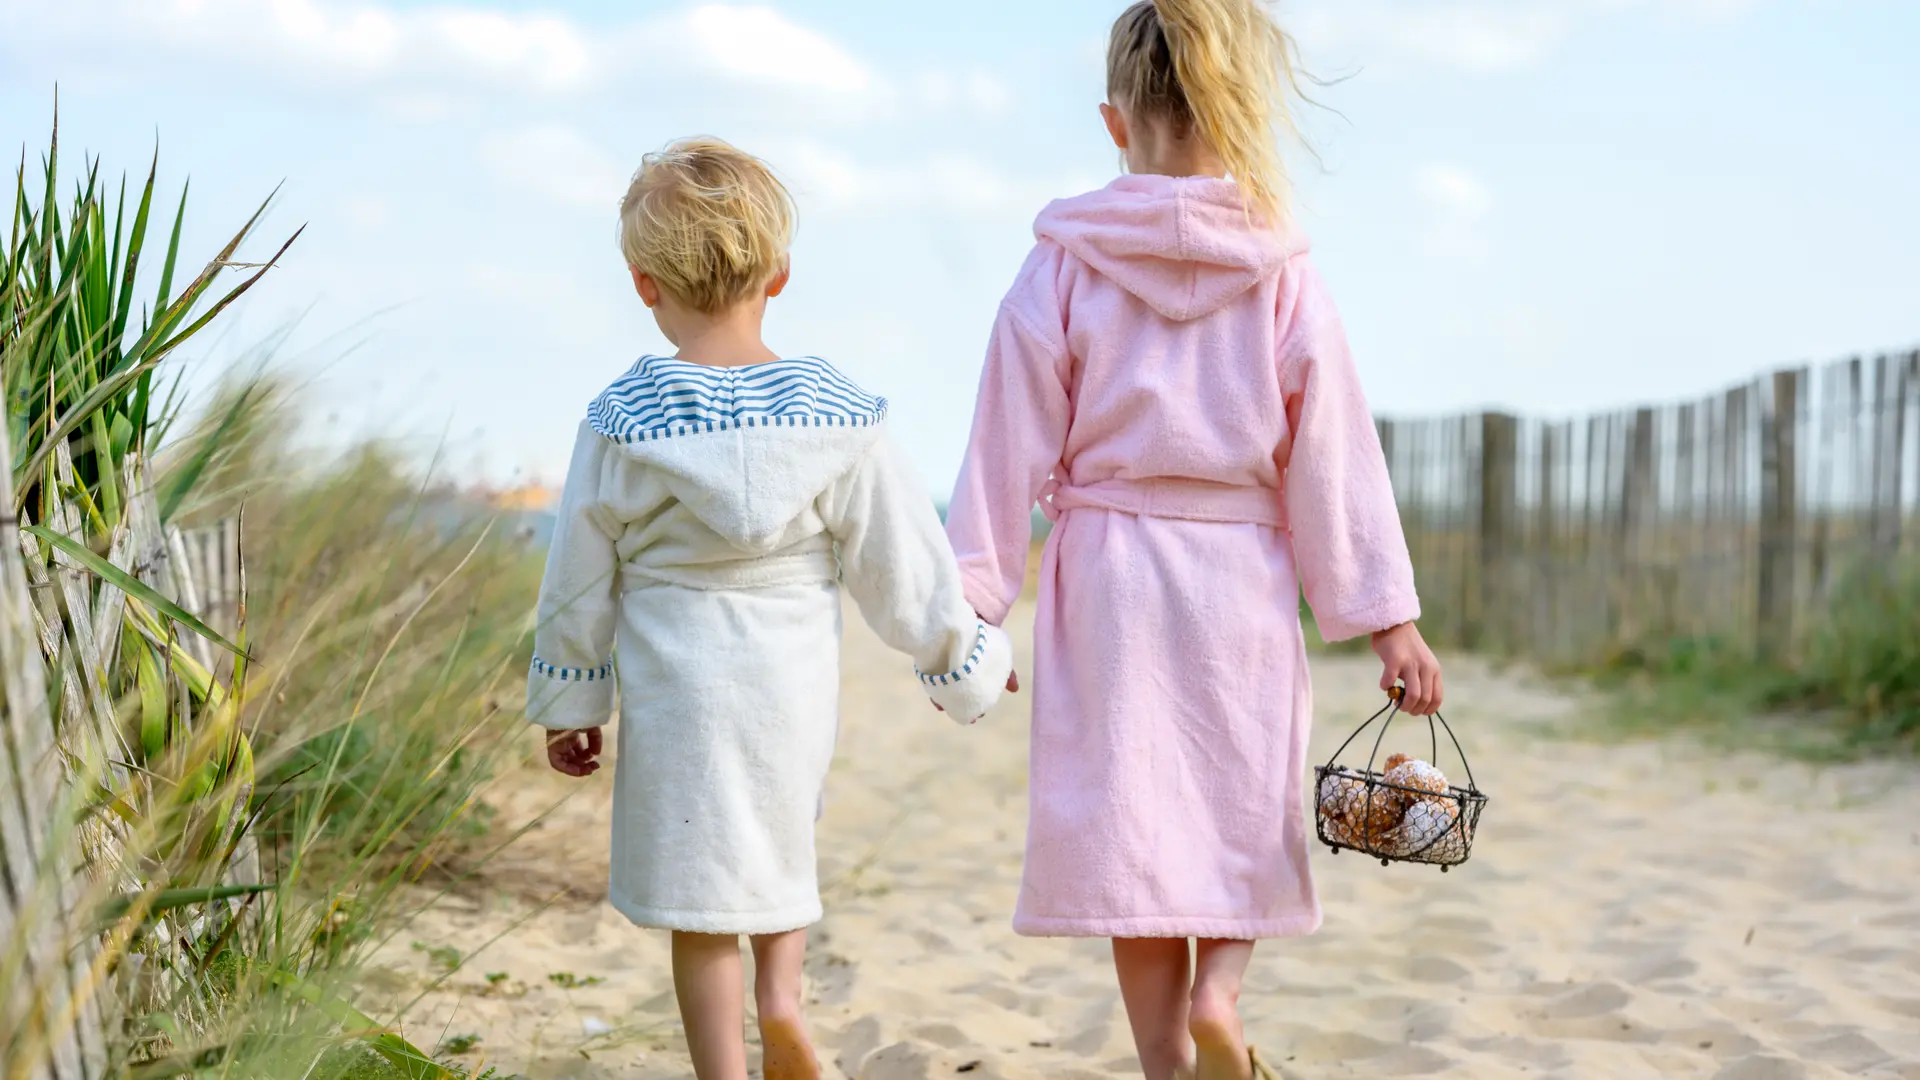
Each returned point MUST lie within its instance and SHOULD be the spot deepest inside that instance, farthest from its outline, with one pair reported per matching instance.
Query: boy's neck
(729, 339)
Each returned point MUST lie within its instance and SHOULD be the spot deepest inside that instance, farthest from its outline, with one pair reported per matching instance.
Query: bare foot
(1220, 1047)
(785, 1051)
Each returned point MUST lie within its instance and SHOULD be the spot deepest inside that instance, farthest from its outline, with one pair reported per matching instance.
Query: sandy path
(1643, 911)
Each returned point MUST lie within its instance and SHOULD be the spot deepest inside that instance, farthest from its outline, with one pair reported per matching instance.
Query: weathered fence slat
(37, 885)
(1730, 517)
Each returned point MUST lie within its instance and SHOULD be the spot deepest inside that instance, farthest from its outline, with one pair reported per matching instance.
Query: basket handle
(1434, 724)
(1390, 706)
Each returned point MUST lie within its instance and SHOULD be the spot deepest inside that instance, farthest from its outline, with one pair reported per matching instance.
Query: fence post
(1544, 582)
(1909, 371)
(1880, 430)
(46, 968)
(1779, 519)
(1499, 476)
(1638, 497)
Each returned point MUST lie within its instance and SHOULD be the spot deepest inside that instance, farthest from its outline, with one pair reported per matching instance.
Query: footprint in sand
(1590, 999)
(1438, 970)
(1848, 1050)
(942, 1035)
(854, 1043)
(897, 1061)
(1763, 1067)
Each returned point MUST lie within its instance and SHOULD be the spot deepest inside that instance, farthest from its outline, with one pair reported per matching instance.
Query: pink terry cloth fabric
(1173, 385)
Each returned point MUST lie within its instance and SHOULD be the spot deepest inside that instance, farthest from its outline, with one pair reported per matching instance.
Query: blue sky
(1553, 206)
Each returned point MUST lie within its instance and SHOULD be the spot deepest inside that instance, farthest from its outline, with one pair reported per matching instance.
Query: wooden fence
(1730, 517)
(50, 992)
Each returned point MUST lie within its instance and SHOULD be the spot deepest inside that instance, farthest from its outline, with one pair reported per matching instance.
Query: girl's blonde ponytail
(1222, 68)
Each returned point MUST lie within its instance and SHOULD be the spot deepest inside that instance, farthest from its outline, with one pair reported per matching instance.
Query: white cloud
(559, 164)
(335, 41)
(1477, 36)
(562, 165)
(1457, 204)
(979, 90)
(756, 46)
(421, 61)
(1452, 190)
(1472, 37)
(952, 182)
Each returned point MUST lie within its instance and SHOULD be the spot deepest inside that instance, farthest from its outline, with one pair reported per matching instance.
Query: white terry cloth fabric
(709, 520)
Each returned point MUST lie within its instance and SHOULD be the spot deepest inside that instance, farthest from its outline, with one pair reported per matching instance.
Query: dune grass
(1850, 690)
(230, 820)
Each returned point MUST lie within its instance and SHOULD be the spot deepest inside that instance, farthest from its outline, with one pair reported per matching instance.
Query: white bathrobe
(709, 520)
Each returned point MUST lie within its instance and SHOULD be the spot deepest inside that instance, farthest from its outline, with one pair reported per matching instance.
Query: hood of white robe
(747, 449)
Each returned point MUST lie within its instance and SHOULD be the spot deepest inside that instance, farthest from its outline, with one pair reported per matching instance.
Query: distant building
(527, 498)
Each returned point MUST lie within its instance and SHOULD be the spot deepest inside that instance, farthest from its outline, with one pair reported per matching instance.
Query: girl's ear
(1116, 124)
(644, 284)
(779, 283)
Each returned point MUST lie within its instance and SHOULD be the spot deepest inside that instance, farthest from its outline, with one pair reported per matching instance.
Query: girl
(717, 501)
(1169, 379)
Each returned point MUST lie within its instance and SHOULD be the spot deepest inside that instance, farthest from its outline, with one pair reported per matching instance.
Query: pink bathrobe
(1174, 387)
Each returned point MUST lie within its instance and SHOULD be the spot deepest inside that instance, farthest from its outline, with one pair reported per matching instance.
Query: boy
(717, 502)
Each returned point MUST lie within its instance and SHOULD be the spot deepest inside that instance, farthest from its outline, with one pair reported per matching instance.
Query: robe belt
(1185, 500)
(787, 568)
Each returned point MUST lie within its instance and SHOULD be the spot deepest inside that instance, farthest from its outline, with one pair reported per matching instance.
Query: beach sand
(1647, 910)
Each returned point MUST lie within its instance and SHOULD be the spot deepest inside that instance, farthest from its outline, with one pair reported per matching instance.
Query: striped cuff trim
(572, 674)
(966, 669)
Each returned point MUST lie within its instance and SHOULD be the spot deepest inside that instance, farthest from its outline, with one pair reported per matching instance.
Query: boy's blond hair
(707, 221)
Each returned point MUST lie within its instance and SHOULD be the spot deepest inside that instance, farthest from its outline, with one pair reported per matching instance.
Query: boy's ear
(779, 283)
(1116, 124)
(644, 284)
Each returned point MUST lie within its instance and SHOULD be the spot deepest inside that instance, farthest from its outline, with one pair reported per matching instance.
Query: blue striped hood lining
(660, 398)
(746, 449)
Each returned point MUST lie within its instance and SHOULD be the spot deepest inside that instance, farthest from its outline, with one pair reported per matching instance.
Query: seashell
(1336, 795)
(1426, 829)
(1369, 813)
(1414, 773)
(1334, 787)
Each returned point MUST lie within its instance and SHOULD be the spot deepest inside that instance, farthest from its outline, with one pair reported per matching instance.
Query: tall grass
(1851, 688)
(230, 829)
(390, 637)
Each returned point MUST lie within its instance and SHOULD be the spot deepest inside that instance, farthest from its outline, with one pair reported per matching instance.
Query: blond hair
(707, 221)
(1219, 67)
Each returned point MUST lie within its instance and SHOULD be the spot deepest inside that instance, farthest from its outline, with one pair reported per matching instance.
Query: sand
(1647, 910)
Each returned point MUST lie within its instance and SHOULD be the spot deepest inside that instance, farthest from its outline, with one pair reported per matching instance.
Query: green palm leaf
(129, 584)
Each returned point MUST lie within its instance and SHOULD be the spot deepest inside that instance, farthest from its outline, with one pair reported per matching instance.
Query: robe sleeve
(1347, 538)
(571, 682)
(1020, 422)
(900, 570)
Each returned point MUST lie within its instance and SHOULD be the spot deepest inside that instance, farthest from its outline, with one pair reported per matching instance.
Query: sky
(1552, 206)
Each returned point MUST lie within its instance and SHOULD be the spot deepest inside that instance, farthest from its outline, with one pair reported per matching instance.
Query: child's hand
(574, 752)
(1405, 659)
(1013, 687)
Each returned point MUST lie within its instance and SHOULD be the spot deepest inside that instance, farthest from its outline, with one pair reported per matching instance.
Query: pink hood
(1181, 244)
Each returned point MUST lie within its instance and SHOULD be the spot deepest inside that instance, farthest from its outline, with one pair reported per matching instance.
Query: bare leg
(1213, 1017)
(1154, 975)
(786, 1052)
(707, 980)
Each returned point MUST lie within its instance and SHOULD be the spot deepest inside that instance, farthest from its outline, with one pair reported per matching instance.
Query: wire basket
(1405, 811)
